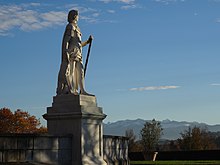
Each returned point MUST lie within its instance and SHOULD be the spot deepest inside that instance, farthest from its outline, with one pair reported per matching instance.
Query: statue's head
(72, 15)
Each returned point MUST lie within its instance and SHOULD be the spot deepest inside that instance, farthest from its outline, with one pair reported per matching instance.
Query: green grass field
(197, 162)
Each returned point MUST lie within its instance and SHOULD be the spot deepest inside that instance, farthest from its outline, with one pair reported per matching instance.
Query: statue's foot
(85, 93)
(75, 93)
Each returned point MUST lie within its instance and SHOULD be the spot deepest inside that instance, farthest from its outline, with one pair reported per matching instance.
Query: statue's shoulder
(70, 27)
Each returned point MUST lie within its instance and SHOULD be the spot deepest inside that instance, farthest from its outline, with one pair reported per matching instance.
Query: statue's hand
(90, 39)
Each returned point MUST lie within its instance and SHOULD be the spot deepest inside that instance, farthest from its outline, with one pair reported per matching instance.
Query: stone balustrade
(56, 150)
(35, 148)
(115, 150)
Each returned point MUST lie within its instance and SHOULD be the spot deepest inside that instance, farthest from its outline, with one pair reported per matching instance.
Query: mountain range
(171, 129)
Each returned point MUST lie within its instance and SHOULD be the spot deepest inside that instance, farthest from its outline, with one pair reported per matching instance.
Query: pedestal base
(80, 116)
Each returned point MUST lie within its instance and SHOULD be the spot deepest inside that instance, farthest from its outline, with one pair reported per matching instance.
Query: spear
(88, 53)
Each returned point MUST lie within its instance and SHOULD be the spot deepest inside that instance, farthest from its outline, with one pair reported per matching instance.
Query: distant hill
(171, 129)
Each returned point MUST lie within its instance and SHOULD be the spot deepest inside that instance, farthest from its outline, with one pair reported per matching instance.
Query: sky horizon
(149, 58)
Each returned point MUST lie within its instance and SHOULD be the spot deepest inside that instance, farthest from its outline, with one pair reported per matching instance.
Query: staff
(88, 53)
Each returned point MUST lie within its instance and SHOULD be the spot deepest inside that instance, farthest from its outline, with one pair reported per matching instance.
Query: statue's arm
(67, 37)
(66, 50)
(66, 40)
(87, 41)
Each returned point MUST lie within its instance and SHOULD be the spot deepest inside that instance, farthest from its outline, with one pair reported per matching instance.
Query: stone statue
(71, 74)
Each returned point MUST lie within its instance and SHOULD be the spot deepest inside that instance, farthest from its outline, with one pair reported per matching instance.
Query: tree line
(19, 122)
(193, 138)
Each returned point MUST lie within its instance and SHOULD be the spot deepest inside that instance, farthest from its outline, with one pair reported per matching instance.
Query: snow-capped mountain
(171, 129)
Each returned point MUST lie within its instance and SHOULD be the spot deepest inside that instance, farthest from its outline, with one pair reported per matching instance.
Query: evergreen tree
(150, 135)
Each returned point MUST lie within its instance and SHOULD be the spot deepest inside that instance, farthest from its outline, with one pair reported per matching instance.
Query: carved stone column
(80, 116)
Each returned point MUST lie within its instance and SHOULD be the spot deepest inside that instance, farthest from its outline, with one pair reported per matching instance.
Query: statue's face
(73, 15)
(77, 17)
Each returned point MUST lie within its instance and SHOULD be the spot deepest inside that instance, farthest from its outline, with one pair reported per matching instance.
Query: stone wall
(35, 148)
(56, 150)
(115, 150)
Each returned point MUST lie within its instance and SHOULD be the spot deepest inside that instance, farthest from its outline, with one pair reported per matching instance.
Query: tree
(150, 135)
(216, 137)
(170, 145)
(19, 122)
(129, 133)
(196, 139)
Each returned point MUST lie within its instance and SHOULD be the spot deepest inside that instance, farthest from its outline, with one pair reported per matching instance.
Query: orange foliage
(19, 122)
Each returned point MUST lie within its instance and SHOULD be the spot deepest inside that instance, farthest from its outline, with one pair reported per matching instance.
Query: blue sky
(149, 59)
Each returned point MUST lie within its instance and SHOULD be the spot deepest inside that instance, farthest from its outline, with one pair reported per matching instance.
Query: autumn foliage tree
(196, 139)
(19, 122)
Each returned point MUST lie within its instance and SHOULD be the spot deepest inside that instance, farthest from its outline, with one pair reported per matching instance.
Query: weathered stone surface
(115, 150)
(25, 143)
(46, 143)
(36, 148)
(80, 116)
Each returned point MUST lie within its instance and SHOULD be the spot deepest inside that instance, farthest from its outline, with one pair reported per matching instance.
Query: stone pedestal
(80, 116)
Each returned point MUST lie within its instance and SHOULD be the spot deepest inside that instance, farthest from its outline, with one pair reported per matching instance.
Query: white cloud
(121, 1)
(31, 4)
(126, 1)
(111, 11)
(127, 4)
(95, 14)
(81, 9)
(169, 1)
(215, 84)
(165, 1)
(105, 1)
(216, 0)
(133, 6)
(218, 20)
(28, 17)
(37, 16)
(153, 88)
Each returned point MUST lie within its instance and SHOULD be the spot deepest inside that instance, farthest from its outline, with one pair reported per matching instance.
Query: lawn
(196, 162)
